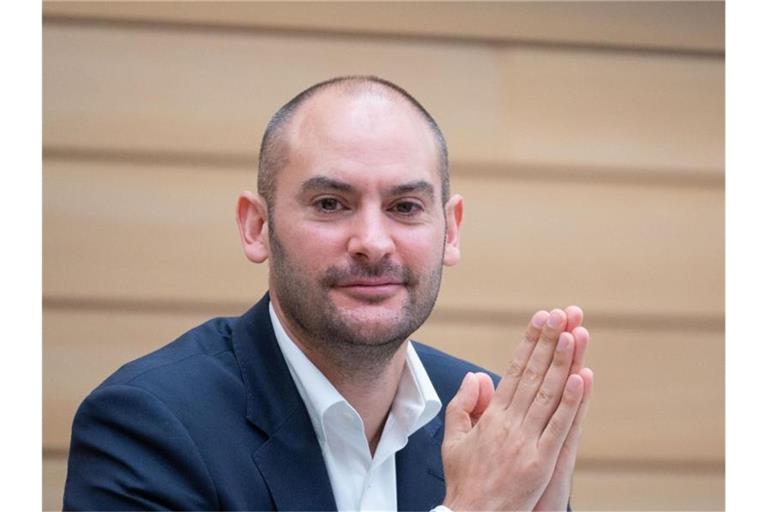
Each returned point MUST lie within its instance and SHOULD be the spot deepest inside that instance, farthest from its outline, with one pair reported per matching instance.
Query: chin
(375, 316)
(374, 322)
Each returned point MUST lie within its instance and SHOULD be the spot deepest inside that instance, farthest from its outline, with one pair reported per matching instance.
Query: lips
(373, 283)
(370, 289)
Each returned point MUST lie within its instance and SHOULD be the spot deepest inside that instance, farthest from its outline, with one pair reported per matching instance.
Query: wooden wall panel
(54, 475)
(630, 419)
(670, 25)
(582, 108)
(146, 90)
(144, 233)
(149, 90)
(607, 247)
(134, 232)
(615, 489)
(648, 490)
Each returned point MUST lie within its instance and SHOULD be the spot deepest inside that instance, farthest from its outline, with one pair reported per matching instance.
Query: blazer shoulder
(207, 340)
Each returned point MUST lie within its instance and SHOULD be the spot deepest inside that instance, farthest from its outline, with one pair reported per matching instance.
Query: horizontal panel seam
(628, 465)
(707, 178)
(349, 34)
(442, 315)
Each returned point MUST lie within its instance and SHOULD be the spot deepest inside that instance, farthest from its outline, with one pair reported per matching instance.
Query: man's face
(357, 229)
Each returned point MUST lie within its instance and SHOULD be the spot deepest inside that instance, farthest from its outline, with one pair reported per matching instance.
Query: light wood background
(587, 139)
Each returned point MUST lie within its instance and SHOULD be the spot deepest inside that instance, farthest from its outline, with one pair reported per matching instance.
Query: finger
(553, 437)
(567, 459)
(581, 341)
(523, 351)
(575, 317)
(485, 394)
(537, 366)
(551, 390)
(589, 377)
(458, 410)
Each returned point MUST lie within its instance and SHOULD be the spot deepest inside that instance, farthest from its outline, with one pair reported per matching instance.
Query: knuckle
(502, 435)
(571, 397)
(550, 337)
(557, 424)
(531, 336)
(515, 369)
(531, 373)
(505, 436)
(544, 397)
(533, 467)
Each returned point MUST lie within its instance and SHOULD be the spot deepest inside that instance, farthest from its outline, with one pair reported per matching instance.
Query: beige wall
(587, 139)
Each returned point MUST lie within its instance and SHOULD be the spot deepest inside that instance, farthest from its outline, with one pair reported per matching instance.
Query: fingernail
(539, 319)
(555, 319)
(562, 342)
(573, 383)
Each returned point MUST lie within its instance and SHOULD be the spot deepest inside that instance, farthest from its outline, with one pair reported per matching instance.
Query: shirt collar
(416, 401)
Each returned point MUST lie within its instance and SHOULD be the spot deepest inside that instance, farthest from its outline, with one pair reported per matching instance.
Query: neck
(372, 397)
(366, 376)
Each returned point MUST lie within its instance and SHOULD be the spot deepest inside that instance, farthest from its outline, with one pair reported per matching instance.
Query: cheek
(421, 249)
(318, 246)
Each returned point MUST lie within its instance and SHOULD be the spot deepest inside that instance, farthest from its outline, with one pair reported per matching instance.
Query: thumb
(485, 394)
(457, 414)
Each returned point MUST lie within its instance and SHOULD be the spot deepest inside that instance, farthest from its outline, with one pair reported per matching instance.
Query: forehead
(365, 137)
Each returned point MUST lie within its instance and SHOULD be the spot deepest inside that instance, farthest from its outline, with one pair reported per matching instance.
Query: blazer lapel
(291, 463)
(290, 460)
(420, 480)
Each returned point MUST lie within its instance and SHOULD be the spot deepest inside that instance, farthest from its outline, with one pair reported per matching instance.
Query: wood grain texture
(586, 108)
(696, 26)
(54, 477)
(168, 233)
(640, 490)
(206, 93)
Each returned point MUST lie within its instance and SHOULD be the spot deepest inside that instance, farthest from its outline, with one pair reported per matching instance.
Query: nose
(370, 238)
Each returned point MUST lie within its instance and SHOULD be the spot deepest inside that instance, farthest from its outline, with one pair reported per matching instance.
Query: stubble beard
(352, 349)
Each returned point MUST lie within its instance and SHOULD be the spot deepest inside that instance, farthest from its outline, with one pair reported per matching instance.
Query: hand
(501, 453)
(558, 491)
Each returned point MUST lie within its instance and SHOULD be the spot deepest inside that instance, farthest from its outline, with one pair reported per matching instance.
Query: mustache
(335, 276)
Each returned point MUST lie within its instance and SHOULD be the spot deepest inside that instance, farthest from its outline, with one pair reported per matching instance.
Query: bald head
(287, 127)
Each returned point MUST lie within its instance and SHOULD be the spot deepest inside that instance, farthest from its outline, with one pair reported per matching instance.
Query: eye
(407, 208)
(328, 205)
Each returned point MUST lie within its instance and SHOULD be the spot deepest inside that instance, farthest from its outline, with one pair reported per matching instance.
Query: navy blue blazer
(213, 421)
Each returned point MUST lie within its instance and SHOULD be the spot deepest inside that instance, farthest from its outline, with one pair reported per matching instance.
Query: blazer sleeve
(130, 452)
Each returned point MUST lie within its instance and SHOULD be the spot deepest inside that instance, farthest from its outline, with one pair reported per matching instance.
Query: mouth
(371, 288)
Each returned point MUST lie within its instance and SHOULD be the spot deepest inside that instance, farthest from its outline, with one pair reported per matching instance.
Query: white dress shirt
(359, 481)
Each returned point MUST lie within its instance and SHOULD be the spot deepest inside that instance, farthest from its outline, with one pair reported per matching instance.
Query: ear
(254, 229)
(454, 213)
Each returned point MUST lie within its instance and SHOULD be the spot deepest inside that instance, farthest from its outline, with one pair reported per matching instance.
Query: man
(315, 399)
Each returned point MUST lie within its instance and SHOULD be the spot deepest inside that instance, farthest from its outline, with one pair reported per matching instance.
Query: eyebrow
(417, 186)
(324, 183)
(316, 183)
